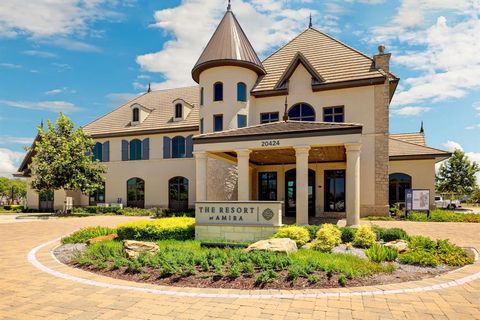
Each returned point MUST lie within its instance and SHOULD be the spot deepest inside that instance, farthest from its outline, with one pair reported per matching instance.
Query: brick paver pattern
(29, 293)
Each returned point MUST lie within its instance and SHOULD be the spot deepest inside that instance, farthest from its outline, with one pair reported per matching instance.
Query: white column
(243, 163)
(301, 201)
(353, 183)
(201, 162)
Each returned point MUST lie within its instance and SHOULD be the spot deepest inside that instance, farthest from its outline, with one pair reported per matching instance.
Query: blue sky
(86, 57)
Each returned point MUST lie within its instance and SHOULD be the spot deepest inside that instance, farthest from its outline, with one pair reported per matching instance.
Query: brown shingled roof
(403, 150)
(280, 129)
(228, 46)
(414, 137)
(333, 60)
(160, 118)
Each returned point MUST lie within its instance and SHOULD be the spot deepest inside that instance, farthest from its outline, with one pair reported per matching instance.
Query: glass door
(334, 191)
(291, 192)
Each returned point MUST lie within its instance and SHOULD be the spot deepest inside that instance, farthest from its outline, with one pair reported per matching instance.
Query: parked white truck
(442, 203)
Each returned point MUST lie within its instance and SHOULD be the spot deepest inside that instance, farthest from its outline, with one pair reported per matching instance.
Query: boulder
(279, 244)
(134, 248)
(400, 245)
(342, 248)
(102, 238)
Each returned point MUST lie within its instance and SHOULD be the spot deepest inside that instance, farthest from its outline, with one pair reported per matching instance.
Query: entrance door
(45, 203)
(178, 193)
(291, 192)
(334, 191)
(136, 193)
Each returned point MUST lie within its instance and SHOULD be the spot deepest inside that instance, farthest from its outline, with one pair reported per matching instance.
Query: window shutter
(106, 151)
(189, 146)
(146, 149)
(124, 150)
(166, 148)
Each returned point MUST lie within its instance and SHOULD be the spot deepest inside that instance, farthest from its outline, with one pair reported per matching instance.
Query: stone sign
(241, 213)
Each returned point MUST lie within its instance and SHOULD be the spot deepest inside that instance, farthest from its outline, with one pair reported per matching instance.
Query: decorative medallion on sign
(267, 214)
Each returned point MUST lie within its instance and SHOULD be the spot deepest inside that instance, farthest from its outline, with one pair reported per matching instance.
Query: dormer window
(218, 91)
(135, 115)
(178, 111)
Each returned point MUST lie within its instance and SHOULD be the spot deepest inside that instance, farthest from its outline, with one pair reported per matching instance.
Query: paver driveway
(29, 293)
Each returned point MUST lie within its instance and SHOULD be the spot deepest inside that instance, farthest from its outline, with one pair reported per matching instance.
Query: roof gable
(335, 61)
(298, 59)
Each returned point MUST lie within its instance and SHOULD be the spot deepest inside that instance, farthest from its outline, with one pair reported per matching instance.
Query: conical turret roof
(228, 46)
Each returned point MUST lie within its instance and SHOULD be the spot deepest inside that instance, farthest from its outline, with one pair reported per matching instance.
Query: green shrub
(364, 237)
(348, 234)
(342, 280)
(328, 236)
(378, 218)
(421, 243)
(266, 277)
(312, 230)
(12, 207)
(390, 234)
(298, 234)
(100, 210)
(177, 228)
(419, 258)
(379, 253)
(439, 215)
(452, 255)
(139, 212)
(85, 234)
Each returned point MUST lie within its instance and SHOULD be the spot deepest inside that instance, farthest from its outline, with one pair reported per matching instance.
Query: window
(218, 91)
(178, 110)
(301, 112)
(135, 115)
(269, 117)
(267, 186)
(178, 193)
(218, 122)
(97, 196)
(98, 152)
(334, 191)
(178, 147)
(201, 96)
(136, 193)
(241, 91)
(201, 126)
(135, 149)
(398, 183)
(241, 120)
(333, 114)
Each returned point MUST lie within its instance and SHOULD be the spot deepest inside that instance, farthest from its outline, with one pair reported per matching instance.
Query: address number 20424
(270, 143)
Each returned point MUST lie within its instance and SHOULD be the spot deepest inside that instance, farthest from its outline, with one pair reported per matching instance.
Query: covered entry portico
(313, 167)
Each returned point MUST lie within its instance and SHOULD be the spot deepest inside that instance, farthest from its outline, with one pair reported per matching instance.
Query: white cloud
(59, 90)
(266, 23)
(444, 53)
(410, 111)
(15, 140)
(476, 106)
(9, 161)
(452, 145)
(52, 106)
(473, 127)
(73, 45)
(61, 67)
(40, 54)
(11, 65)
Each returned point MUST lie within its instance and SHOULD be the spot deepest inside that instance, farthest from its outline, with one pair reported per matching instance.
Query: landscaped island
(163, 251)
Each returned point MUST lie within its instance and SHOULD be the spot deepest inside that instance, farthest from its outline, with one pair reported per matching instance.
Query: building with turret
(307, 127)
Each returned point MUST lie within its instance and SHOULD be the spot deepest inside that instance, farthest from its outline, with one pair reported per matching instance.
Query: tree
(12, 189)
(63, 159)
(457, 175)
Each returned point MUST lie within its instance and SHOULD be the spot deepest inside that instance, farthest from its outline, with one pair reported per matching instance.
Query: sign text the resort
(238, 213)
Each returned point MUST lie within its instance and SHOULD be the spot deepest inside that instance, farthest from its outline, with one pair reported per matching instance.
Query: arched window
(135, 115)
(98, 152)
(241, 91)
(178, 110)
(397, 185)
(178, 147)
(201, 96)
(135, 149)
(218, 91)
(178, 193)
(136, 193)
(301, 112)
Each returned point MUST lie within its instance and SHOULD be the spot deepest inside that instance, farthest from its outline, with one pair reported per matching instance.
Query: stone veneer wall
(222, 181)
(234, 233)
(382, 102)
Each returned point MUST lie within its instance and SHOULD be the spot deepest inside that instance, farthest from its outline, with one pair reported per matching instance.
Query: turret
(226, 72)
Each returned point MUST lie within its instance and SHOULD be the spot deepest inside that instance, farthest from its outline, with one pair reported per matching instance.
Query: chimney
(382, 59)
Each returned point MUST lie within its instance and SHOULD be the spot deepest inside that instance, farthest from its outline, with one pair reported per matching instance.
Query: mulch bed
(208, 280)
